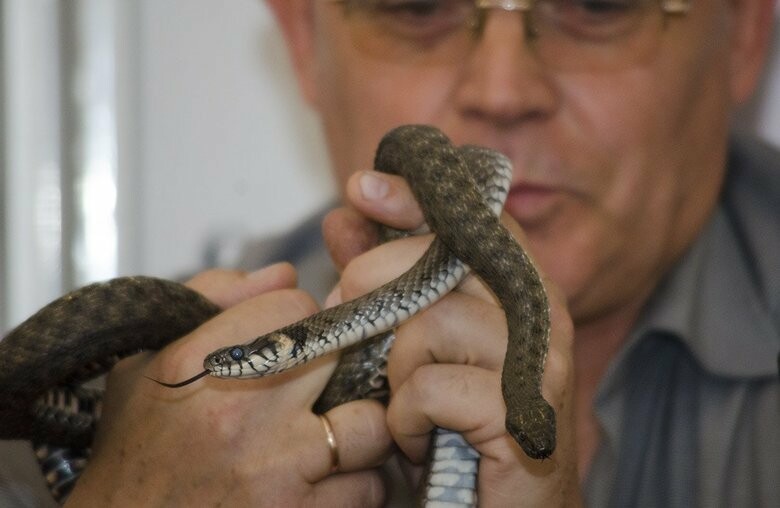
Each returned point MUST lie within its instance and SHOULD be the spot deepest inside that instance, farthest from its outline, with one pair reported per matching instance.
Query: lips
(531, 203)
(541, 184)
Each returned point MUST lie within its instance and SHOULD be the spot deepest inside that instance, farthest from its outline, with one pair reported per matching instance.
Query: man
(661, 244)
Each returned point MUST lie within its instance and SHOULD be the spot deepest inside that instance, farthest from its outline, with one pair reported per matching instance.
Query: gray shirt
(690, 408)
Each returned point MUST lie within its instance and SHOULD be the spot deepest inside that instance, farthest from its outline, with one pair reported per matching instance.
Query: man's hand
(445, 366)
(231, 442)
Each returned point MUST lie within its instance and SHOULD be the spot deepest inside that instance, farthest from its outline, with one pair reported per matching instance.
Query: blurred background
(155, 136)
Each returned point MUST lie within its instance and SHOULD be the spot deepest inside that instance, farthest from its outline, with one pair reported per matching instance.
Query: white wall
(225, 145)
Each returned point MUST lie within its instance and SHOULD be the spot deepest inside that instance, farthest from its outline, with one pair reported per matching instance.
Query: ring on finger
(331, 438)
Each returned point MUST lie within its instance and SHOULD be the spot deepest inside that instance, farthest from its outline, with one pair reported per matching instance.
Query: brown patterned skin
(80, 336)
(447, 196)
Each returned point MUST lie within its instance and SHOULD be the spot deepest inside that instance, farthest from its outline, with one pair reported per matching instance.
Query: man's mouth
(530, 203)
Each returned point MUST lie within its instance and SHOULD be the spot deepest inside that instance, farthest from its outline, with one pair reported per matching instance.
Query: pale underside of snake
(43, 361)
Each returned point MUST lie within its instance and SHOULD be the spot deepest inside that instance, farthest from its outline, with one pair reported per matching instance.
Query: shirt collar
(712, 304)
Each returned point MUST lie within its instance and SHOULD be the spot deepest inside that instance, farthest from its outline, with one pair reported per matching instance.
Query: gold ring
(334, 449)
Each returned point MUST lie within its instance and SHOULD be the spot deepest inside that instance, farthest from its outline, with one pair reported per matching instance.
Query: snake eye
(236, 353)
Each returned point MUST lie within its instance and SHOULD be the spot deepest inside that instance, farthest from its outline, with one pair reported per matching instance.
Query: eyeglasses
(564, 34)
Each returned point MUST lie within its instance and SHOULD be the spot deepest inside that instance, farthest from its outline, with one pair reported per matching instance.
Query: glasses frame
(667, 6)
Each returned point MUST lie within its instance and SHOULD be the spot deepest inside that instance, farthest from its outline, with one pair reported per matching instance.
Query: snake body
(85, 332)
(468, 235)
(78, 337)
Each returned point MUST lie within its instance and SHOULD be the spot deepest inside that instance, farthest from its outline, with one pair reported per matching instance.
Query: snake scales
(86, 331)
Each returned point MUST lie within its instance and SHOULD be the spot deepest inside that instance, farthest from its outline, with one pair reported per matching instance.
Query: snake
(46, 359)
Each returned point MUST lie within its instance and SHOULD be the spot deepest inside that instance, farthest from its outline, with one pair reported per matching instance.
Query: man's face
(615, 170)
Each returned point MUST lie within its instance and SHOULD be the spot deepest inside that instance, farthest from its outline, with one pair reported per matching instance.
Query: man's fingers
(228, 287)
(460, 329)
(376, 198)
(359, 489)
(456, 397)
(384, 198)
(382, 264)
(360, 440)
(347, 234)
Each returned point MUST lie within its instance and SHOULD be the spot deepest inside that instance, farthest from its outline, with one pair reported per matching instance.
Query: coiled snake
(71, 336)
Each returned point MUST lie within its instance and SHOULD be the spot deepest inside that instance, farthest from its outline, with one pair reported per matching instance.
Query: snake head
(226, 362)
(265, 355)
(533, 427)
(224, 356)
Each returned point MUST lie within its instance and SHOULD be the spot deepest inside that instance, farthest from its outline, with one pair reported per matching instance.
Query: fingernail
(334, 298)
(372, 186)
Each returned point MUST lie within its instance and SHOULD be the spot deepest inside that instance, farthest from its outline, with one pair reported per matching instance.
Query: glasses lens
(411, 31)
(564, 34)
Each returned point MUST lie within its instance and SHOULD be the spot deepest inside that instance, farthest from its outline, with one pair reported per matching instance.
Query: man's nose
(503, 81)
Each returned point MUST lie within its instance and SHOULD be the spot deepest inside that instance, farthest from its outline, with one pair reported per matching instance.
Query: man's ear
(752, 29)
(296, 19)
